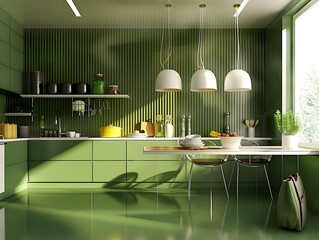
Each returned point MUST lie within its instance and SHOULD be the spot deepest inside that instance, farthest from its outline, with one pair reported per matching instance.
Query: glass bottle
(226, 122)
(159, 129)
(168, 126)
(42, 126)
(183, 127)
(189, 125)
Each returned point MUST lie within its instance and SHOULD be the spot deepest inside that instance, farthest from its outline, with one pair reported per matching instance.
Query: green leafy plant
(287, 123)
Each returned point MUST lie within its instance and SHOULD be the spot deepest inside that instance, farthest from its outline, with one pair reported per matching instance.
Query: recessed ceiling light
(73, 7)
(241, 7)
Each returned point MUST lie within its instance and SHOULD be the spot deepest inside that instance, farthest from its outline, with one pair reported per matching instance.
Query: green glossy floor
(141, 215)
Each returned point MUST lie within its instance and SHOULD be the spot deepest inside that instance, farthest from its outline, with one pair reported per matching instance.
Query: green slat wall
(130, 58)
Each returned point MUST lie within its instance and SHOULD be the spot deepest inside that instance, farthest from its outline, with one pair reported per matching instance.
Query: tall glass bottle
(227, 122)
(189, 125)
(42, 126)
(159, 126)
(183, 126)
(168, 126)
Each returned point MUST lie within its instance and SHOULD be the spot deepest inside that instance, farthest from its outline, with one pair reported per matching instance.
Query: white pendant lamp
(237, 80)
(203, 80)
(168, 80)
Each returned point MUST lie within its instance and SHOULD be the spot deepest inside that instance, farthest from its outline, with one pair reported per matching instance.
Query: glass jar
(98, 84)
(159, 128)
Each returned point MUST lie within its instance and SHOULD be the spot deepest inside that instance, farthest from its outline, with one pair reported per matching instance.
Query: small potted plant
(288, 124)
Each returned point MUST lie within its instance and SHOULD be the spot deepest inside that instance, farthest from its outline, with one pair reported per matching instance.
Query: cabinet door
(4, 56)
(16, 41)
(16, 60)
(4, 32)
(142, 171)
(60, 171)
(15, 176)
(72, 150)
(171, 171)
(109, 171)
(109, 150)
(135, 150)
(16, 152)
(4, 17)
(5, 78)
(16, 81)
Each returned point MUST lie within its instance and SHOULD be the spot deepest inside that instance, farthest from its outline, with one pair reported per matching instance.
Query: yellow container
(8, 130)
(110, 131)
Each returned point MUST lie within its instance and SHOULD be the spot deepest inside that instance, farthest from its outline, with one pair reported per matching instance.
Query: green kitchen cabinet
(109, 161)
(60, 171)
(5, 78)
(16, 81)
(4, 32)
(60, 161)
(16, 60)
(12, 54)
(142, 172)
(109, 150)
(5, 53)
(15, 167)
(16, 152)
(65, 150)
(4, 17)
(16, 27)
(135, 150)
(17, 41)
(171, 171)
(109, 171)
(153, 169)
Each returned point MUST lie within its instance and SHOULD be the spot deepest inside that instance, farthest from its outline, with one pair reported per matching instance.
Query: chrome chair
(253, 161)
(208, 161)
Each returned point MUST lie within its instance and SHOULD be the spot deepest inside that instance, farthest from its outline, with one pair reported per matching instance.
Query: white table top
(244, 150)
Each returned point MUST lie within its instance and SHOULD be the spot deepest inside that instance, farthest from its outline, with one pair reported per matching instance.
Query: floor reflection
(140, 215)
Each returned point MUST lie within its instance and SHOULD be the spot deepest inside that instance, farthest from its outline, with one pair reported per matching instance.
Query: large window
(306, 70)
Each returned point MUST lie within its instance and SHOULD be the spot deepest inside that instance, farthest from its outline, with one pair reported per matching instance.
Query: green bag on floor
(291, 205)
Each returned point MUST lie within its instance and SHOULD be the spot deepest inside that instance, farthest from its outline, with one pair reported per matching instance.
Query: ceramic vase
(289, 141)
(251, 132)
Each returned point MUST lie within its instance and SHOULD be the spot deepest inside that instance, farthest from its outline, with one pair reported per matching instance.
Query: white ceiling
(141, 13)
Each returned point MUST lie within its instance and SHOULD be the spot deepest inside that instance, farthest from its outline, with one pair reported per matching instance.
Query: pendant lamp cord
(200, 47)
(237, 48)
(169, 38)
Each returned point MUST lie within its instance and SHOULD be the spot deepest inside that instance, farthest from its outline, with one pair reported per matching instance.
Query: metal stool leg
(190, 182)
(225, 185)
(268, 182)
(237, 178)
(231, 175)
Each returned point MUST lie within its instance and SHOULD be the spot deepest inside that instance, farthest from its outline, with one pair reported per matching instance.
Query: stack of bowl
(192, 141)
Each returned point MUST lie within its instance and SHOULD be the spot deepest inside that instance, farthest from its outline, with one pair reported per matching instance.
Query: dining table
(242, 150)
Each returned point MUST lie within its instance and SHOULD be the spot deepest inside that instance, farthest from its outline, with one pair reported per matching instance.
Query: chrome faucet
(58, 123)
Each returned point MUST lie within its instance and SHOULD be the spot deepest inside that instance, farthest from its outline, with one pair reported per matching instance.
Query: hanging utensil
(256, 122)
(100, 109)
(251, 122)
(247, 122)
(93, 112)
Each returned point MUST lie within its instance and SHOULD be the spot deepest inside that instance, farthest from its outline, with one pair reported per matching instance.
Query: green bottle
(42, 126)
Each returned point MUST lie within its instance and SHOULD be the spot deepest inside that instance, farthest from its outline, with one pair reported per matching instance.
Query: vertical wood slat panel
(130, 58)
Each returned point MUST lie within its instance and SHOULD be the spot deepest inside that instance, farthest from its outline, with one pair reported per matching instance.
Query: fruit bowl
(230, 142)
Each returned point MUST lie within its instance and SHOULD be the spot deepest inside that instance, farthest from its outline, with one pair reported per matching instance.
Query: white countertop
(119, 139)
(217, 150)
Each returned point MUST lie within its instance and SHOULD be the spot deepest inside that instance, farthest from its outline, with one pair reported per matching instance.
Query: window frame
(293, 70)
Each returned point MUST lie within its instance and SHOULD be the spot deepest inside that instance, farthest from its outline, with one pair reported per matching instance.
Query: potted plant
(288, 124)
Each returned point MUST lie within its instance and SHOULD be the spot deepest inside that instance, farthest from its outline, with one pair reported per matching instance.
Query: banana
(214, 134)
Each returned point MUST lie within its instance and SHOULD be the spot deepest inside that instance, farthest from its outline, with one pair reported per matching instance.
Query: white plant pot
(289, 141)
